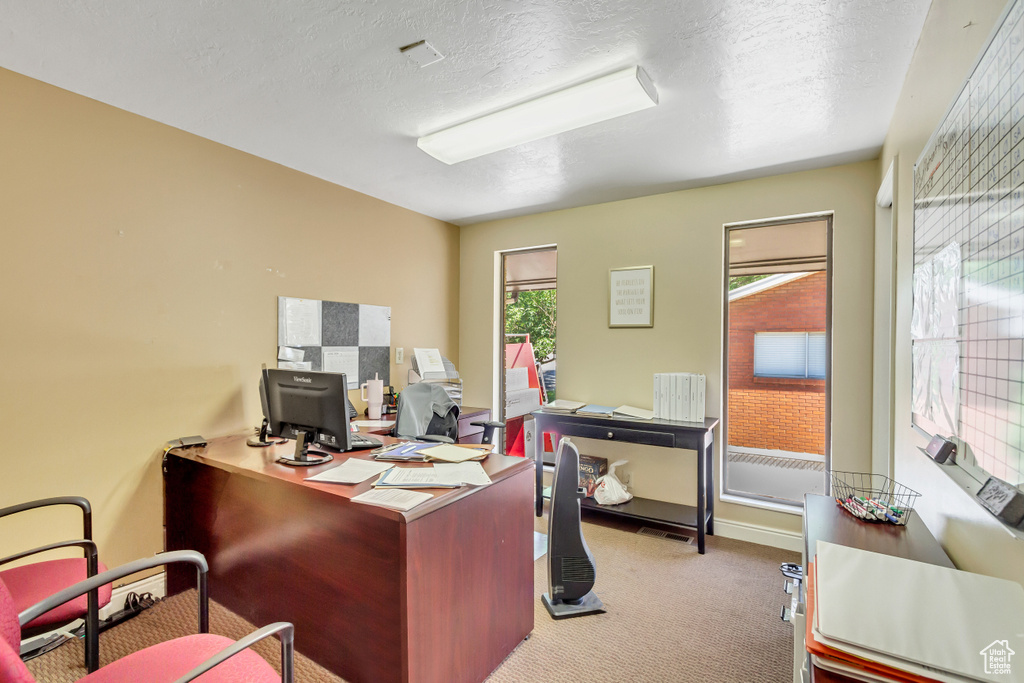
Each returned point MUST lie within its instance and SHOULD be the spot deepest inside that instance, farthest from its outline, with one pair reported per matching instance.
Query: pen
(406, 449)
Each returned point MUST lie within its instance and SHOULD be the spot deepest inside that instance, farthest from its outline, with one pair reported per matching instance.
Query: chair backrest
(425, 408)
(12, 669)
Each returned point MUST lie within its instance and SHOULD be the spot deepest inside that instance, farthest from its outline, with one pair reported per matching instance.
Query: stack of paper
(445, 476)
(893, 619)
(594, 409)
(415, 451)
(396, 499)
(352, 471)
(447, 452)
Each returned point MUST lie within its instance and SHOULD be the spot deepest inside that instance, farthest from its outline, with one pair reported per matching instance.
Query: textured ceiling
(746, 87)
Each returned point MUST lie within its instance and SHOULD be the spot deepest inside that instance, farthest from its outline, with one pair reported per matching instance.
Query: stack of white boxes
(679, 396)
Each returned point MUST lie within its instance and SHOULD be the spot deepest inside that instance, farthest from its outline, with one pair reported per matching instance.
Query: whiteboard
(968, 311)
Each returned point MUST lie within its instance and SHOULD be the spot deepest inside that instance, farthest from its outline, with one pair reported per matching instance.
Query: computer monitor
(310, 407)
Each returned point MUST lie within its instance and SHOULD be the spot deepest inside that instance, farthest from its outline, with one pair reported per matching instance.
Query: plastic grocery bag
(611, 491)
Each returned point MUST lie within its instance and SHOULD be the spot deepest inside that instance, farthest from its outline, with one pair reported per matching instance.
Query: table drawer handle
(611, 435)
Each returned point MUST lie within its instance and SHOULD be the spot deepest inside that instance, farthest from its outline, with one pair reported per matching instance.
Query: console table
(694, 436)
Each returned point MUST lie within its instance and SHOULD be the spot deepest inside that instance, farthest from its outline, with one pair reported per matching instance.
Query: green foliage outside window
(533, 313)
(740, 280)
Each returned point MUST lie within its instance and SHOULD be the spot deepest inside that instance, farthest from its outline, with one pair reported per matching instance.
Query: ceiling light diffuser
(607, 97)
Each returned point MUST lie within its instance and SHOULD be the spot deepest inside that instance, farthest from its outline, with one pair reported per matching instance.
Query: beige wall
(140, 279)
(954, 35)
(681, 234)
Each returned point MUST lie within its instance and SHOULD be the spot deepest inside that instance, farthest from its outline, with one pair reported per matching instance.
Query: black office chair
(426, 413)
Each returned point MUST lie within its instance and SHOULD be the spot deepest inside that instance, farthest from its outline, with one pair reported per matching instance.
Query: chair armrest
(287, 636)
(488, 423)
(88, 546)
(77, 501)
(111, 575)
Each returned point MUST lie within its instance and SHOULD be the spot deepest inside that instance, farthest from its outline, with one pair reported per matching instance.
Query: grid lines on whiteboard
(969, 189)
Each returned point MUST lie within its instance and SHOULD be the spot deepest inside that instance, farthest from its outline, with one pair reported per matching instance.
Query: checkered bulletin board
(335, 337)
(968, 315)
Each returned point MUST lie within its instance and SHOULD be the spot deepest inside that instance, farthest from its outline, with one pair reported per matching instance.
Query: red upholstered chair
(215, 658)
(28, 584)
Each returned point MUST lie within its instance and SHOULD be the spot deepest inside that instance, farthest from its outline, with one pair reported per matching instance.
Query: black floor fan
(571, 569)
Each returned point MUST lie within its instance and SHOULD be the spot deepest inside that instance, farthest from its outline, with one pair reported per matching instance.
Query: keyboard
(360, 442)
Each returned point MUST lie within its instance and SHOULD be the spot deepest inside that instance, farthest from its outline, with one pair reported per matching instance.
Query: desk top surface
(230, 453)
(824, 520)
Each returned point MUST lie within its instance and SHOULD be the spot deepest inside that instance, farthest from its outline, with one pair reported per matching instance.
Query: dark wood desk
(826, 521)
(439, 594)
(694, 436)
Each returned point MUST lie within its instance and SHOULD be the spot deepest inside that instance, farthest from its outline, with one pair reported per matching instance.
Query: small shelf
(648, 510)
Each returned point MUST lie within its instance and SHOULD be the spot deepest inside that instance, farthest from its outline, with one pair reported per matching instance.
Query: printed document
(352, 471)
(413, 477)
(428, 360)
(463, 473)
(396, 499)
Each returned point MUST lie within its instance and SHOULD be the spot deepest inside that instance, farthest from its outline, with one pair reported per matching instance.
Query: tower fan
(571, 568)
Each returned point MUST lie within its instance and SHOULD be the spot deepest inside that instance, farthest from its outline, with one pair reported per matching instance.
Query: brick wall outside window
(771, 412)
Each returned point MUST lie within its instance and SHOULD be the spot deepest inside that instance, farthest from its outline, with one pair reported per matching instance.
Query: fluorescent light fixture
(607, 97)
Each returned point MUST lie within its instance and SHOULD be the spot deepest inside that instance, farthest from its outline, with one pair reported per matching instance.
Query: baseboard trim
(753, 533)
(156, 584)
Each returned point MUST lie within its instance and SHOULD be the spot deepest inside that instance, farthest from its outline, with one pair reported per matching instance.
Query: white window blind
(789, 354)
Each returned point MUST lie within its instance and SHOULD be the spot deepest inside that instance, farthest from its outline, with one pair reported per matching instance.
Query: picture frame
(631, 297)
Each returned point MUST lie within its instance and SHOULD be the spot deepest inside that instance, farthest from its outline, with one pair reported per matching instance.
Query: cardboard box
(591, 467)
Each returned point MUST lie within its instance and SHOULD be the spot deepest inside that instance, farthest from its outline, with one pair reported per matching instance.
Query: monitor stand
(302, 457)
(261, 441)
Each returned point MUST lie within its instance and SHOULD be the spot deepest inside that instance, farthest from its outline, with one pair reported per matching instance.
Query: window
(789, 354)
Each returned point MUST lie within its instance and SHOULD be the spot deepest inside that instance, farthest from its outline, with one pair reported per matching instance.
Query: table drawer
(641, 436)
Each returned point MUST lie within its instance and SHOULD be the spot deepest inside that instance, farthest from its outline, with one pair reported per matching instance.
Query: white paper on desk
(917, 612)
(412, 476)
(352, 471)
(305, 366)
(300, 322)
(428, 360)
(396, 499)
(462, 473)
(290, 354)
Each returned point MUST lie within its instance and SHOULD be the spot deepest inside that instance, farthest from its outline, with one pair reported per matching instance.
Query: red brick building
(784, 413)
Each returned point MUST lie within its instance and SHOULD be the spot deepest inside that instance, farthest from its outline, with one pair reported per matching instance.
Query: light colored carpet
(673, 617)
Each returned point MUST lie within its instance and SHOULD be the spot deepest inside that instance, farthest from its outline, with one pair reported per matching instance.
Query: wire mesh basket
(873, 497)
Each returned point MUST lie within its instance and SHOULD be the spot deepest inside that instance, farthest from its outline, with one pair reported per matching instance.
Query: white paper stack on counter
(877, 617)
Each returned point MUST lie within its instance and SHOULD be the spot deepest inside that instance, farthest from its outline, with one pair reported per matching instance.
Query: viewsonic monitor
(310, 407)
(571, 568)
